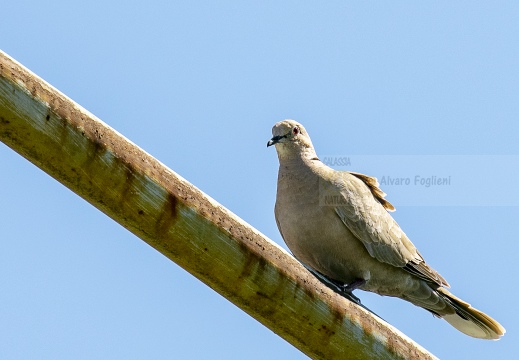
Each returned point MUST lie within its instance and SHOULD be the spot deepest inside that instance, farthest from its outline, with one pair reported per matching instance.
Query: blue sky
(199, 85)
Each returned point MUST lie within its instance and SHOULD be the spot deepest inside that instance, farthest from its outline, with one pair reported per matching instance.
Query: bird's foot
(353, 285)
(346, 290)
(349, 295)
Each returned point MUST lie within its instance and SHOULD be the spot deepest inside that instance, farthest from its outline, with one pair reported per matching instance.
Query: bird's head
(291, 139)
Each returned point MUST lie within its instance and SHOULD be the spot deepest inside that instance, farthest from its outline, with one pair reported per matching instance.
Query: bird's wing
(372, 184)
(365, 215)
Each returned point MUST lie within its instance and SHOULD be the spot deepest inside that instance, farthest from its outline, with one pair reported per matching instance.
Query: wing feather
(367, 217)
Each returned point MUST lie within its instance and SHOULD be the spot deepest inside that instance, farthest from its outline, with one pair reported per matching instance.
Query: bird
(338, 224)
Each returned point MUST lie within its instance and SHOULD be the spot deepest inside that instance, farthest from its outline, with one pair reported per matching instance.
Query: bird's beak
(275, 140)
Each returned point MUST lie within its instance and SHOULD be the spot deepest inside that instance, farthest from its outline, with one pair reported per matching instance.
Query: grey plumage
(337, 223)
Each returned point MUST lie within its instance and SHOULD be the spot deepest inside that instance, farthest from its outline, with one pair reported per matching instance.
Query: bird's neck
(300, 156)
(296, 168)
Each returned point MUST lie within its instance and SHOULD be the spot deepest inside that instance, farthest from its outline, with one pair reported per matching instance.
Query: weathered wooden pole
(186, 225)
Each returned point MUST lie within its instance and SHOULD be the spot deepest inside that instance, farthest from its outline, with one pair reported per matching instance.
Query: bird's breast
(313, 231)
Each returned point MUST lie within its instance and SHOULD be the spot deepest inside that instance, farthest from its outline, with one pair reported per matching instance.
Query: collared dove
(337, 223)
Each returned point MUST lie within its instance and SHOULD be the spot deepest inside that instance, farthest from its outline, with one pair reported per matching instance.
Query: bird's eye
(295, 131)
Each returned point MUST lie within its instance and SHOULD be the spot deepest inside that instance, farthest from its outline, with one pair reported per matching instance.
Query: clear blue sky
(199, 86)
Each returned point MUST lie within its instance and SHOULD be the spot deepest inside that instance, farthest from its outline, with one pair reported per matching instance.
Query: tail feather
(470, 321)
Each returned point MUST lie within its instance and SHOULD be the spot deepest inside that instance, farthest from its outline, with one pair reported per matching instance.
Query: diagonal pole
(186, 225)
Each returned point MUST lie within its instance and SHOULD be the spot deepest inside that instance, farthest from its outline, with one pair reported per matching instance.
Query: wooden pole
(186, 225)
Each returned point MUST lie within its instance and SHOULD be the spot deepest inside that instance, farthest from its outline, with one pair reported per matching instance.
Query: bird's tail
(470, 321)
